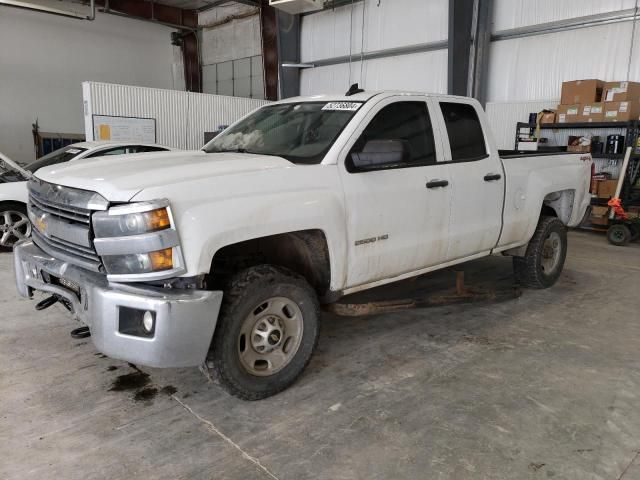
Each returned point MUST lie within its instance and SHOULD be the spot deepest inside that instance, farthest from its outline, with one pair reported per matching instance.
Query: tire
(619, 235)
(12, 226)
(266, 334)
(544, 259)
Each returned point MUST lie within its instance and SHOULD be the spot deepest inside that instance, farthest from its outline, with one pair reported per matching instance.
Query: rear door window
(110, 151)
(466, 137)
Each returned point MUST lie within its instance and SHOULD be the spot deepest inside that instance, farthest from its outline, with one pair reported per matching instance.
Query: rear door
(398, 216)
(477, 179)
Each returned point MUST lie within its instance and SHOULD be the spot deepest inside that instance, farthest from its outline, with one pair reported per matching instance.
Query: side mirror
(380, 154)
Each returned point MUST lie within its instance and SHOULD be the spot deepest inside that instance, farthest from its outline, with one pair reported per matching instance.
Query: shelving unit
(631, 132)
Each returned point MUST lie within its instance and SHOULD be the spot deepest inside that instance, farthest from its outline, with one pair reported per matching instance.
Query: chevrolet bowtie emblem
(41, 223)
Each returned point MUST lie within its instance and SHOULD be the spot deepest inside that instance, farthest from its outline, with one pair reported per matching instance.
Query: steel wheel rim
(270, 336)
(551, 250)
(14, 226)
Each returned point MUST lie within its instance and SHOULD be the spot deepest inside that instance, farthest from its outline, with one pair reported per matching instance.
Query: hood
(120, 178)
(8, 164)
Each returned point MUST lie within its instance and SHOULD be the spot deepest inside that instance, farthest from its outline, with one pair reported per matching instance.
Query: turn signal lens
(161, 259)
(157, 219)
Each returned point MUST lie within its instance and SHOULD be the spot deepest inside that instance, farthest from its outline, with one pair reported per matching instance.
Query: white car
(221, 258)
(14, 224)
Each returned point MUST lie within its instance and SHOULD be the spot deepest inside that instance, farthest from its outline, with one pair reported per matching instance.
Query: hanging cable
(633, 38)
(364, 4)
(350, 40)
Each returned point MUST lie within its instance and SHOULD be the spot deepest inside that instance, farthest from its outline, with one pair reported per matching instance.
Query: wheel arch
(559, 204)
(305, 252)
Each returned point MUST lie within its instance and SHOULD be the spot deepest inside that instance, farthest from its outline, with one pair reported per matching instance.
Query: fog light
(147, 321)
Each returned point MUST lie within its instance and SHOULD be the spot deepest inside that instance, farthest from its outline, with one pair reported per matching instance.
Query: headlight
(139, 262)
(112, 224)
(138, 241)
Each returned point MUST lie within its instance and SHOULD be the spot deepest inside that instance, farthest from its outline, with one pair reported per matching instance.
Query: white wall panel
(518, 13)
(181, 117)
(390, 24)
(421, 72)
(504, 116)
(45, 58)
(533, 68)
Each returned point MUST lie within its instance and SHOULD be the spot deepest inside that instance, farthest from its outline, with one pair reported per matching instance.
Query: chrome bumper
(184, 319)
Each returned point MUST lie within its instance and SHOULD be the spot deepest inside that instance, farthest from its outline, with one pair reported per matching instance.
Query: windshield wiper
(231, 150)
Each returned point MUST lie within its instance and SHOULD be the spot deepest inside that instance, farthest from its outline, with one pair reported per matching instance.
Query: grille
(61, 218)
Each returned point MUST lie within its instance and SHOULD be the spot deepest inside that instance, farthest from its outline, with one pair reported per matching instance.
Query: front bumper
(184, 319)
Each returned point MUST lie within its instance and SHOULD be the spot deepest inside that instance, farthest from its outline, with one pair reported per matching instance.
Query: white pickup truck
(221, 258)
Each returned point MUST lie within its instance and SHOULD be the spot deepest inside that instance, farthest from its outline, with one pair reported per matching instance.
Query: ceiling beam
(217, 3)
(145, 10)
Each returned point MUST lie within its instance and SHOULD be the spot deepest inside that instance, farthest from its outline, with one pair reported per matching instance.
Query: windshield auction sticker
(342, 106)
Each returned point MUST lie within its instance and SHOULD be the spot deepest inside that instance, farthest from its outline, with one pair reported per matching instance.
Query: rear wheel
(544, 259)
(267, 331)
(14, 225)
(619, 235)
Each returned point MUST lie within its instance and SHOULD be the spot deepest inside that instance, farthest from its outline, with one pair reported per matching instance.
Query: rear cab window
(466, 137)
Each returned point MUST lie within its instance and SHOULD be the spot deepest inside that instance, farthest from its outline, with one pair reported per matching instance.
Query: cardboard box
(547, 116)
(592, 112)
(568, 113)
(581, 91)
(599, 215)
(621, 111)
(606, 188)
(579, 144)
(620, 91)
(598, 211)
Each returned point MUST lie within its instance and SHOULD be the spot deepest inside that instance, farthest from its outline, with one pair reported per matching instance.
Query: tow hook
(47, 302)
(80, 332)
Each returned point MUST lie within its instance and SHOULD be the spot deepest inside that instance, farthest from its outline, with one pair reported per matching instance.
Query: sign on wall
(124, 129)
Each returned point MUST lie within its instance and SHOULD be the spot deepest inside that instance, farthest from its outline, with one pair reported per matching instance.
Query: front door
(397, 215)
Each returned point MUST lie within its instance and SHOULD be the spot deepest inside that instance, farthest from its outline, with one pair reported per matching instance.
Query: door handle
(490, 177)
(437, 183)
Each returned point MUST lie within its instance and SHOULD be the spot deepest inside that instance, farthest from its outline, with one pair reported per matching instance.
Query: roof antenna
(353, 89)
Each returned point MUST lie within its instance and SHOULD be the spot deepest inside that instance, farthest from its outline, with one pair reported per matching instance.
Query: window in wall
(408, 121)
(239, 78)
(464, 130)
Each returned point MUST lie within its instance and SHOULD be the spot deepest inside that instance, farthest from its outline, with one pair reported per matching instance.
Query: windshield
(299, 132)
(59, 156)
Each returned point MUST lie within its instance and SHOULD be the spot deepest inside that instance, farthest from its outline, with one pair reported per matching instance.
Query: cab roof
(361, 97)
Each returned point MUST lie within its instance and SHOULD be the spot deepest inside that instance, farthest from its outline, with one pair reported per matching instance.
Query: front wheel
(14, 225)
(544, 259)
(267, 331)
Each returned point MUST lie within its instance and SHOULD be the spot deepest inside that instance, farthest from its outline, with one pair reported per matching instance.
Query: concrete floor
(543, 386)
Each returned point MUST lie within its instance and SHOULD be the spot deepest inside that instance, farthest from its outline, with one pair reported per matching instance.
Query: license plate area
(62, 282)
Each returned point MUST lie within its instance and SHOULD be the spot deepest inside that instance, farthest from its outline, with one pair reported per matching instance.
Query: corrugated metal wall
(504, 116)
(181, 117)
(534, 67)
(421, 72)
(519, 13)
(387, 24)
